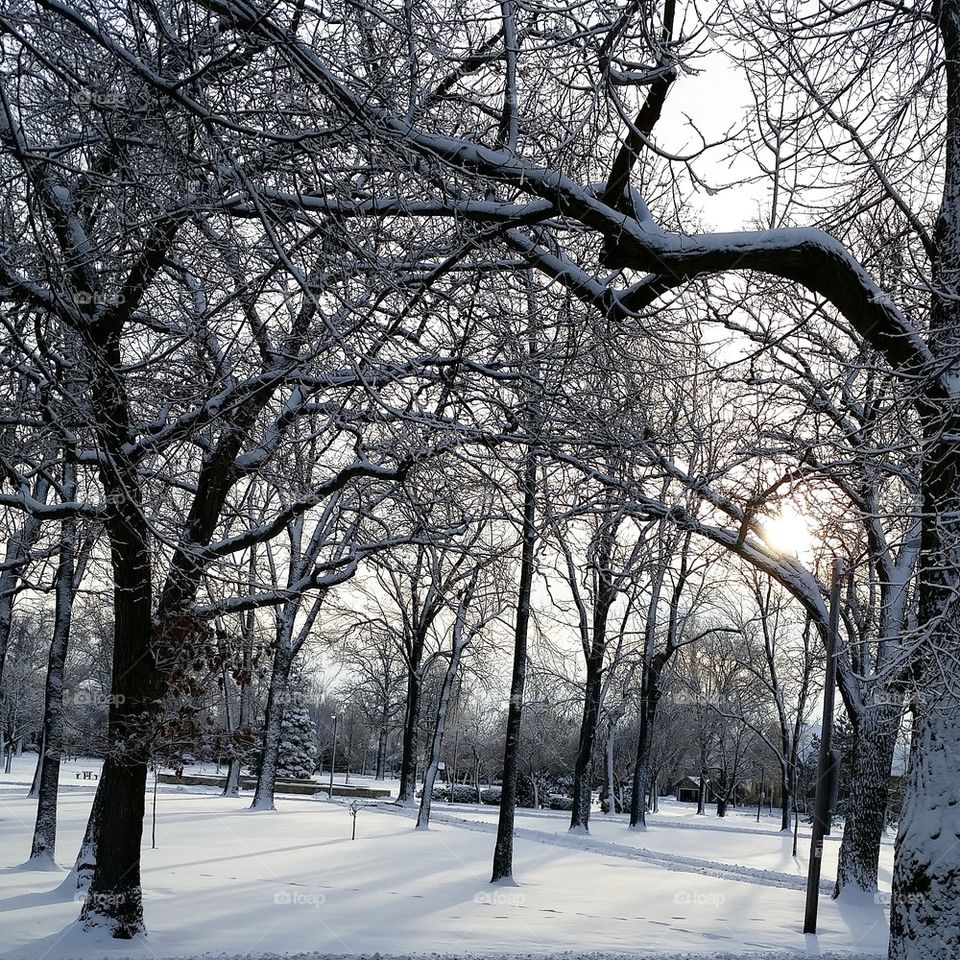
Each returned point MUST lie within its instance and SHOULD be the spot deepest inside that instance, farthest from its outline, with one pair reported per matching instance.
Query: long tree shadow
(39, 898)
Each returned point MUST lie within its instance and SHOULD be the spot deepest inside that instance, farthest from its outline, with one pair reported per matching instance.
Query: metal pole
(821, 807)
(333, 753)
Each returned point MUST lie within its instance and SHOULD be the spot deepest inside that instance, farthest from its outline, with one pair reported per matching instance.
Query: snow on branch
(807, 256)
(484, 211)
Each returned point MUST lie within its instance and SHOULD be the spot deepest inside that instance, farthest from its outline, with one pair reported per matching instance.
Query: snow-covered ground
(227, 882)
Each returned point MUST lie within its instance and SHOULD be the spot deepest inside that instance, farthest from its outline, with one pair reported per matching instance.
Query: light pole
(821, 814)
(333, 752)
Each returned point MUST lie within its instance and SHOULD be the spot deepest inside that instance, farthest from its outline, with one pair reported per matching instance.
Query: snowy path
(736, 845)
(707, 868)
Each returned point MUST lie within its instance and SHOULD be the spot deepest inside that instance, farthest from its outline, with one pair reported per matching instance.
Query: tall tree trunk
(582, 785)
(460, 640)
(786, 795)
(650, 701)
(285, 653)
(44, 847)
(272, 729)
(382, 744)
(874, 741)
(924, 921)
(34, 791)
(608, 767)
(411, 727)
(231, 783)
(79, 877)
(926, 877)
(7, 591)
(231, 787)
(348, 751)
(653, 666)
(114, 899)
(503, 850)
(604, 595)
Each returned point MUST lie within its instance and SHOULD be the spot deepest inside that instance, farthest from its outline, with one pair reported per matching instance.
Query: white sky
(714, 100)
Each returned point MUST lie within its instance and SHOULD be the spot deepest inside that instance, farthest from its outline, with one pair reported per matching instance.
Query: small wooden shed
(688, 789)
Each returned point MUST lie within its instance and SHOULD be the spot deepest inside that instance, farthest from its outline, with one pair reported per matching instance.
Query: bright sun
(788, 532)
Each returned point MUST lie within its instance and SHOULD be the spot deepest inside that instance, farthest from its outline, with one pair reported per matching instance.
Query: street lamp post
(821, 815)
(333, 752)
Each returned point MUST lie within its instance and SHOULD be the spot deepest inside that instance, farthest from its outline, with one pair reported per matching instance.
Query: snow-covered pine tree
(298, 742)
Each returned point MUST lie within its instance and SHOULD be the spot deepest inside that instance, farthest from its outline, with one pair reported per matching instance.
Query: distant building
(688, 790)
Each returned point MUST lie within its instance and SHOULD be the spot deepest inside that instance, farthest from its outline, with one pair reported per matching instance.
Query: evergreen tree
(298, 743)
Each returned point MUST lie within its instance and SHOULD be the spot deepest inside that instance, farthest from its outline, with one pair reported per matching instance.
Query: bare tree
(595, 583)
(781, 665)
(71, 563)
(480, 604)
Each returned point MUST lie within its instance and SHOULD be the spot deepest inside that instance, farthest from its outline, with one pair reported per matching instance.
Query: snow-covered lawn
(229, 882)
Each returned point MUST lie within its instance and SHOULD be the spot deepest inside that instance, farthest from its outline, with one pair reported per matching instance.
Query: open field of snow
(227, 882)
